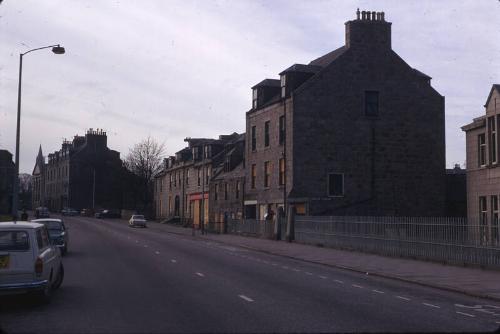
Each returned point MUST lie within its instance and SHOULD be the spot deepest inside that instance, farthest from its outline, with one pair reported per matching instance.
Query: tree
(145, 160)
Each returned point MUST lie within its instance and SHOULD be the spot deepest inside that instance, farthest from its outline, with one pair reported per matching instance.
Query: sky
(175, 69)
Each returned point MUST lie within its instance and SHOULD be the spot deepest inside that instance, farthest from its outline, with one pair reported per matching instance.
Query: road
(132, 280)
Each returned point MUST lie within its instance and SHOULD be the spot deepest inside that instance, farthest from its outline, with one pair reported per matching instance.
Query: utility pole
(202, 214)
(93, 192)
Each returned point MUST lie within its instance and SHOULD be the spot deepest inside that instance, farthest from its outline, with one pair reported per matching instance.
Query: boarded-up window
(335, 184)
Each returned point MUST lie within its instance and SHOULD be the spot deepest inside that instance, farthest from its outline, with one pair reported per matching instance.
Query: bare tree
(145, 160)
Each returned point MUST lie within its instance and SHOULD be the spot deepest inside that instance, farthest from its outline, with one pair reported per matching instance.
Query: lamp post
(57, 49)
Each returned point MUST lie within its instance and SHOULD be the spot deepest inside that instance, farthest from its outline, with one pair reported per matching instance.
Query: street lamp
(57, 49)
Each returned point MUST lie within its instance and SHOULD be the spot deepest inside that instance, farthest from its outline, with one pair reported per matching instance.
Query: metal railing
(450, 240)
(251, 227)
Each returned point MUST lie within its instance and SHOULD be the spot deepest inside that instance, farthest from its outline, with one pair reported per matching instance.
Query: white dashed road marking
(338, 281)
(357, 286)
(284, 267)
(466, 314)
(200, 274)
(137, 241)
(157, 252)
(378, 291)
(323, 277)
(308, 273)
(145, 246)
(403, 298)
(173, 261)
(246, 298)
(431, 305)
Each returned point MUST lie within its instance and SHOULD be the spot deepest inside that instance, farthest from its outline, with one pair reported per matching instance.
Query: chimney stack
(368, 31)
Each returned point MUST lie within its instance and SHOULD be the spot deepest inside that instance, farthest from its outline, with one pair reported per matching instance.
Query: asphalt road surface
(133, 280)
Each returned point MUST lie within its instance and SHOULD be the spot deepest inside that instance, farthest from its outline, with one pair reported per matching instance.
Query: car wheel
(60, 277)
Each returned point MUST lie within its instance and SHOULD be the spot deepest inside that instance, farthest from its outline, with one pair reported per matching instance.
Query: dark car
(69, 212)
(108, 214)
(58, 233)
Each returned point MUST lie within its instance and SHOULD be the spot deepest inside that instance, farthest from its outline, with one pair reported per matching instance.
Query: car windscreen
(14, 241)
(138, 217)
(53, 225)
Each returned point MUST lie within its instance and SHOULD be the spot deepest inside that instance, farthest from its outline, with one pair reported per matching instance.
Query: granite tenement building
(356, 131)
(7, 172)
(483, 170)
(182, 188)
(84, 173)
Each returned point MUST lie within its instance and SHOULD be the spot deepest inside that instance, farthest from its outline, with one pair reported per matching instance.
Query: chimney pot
(357, 14)
(382, 14)
(363, 15)
(373, 16)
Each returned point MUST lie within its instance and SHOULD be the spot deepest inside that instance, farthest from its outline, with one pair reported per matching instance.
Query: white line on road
(322, 277)
(338, 281)
(266, 262)
(246, 298)
(431, 305)
(295, 269)
(357, 286)
(467, 314)
(403, 298)
(200, 274)
(497, 322)
(145, 246)
(274, 264)
(157, 252)
(284, 267)
(308, 273)
(173, 261)
(378, 291)
(137, 241)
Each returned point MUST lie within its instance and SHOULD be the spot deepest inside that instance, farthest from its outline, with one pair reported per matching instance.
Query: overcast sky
(176, 69)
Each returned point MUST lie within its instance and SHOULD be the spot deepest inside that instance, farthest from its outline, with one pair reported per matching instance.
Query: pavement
(472, 281)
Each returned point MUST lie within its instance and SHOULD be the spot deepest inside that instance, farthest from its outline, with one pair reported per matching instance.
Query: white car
(137, 220)
(28, 261)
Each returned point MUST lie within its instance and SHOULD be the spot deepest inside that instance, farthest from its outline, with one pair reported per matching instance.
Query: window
(208, 151)
(14, 241)
(254, 138)
(175, 179)
(199, 177)
(282, 172)
(371, 103)
(225, 190)
(494, 220)
(335, 184)
(267, 173)
(483, 214)
(170, 178)
(282, 130)
(266, 134)
(207, 174)
(237, 192)
(161, 185)
(216, 192)
(187, 176)
(493, 139)
(482, 149)
(283, 85)
(254, 176)
(254, 98)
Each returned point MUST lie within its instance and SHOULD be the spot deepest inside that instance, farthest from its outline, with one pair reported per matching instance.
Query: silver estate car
(28, 261)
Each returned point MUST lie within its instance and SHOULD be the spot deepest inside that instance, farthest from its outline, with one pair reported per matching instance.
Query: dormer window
(283, 85)
(208, 151)
(254, 98)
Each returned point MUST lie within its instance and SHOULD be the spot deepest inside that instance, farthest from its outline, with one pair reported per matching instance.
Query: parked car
(108, 214)
(137, 220)
(58, 232)
(42, 212)
(87, 212)
(28, 261)
(69, 212)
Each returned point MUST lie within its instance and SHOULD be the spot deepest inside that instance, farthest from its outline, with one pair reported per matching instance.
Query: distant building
(483, 169)
(182, 188)
(456, 192)
(84, 173)
(356, 131)
(7, 172)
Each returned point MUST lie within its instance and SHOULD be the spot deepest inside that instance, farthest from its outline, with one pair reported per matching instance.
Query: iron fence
(450, 240)
(251, 227)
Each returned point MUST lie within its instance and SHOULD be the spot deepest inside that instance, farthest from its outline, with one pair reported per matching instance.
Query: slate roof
(268, 83)
(494, 87)
(302, 68)
(327, 59)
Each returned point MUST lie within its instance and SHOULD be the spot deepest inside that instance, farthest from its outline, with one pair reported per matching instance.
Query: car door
(16, 256)
(48, 254)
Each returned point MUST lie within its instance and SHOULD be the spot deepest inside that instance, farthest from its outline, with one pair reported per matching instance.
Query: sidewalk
(471, 281)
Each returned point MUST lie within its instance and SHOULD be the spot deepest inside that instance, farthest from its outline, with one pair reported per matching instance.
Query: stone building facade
(182, 188)
(483, 170)
(355, 132)
(7, 172)
(84, 173)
